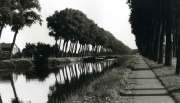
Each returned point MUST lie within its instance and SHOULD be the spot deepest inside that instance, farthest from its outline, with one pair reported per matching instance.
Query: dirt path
(146, 88)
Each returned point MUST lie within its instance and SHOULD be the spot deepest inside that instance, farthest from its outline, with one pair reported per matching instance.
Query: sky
(112, 15)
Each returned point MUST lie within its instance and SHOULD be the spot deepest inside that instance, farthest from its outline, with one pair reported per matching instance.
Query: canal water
(42, 85)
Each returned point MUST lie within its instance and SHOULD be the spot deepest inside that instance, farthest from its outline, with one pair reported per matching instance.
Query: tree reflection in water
(40, 73)
(16, 99)
(0, 99)
(74, 77)
(69, 79)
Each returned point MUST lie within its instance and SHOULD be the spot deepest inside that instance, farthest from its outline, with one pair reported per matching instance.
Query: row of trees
(80, 35)
(18, 14)
(156, 25)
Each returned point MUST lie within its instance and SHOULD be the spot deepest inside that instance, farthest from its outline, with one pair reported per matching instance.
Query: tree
(40, 48)
(16, 99)
(154, 22)
(26, 15)
(56, 37)
(6, 10)
(77, 29)
(28, 51)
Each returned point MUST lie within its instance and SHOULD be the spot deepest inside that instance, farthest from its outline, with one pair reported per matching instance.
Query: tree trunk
(161, 45)
(63, 49)
(82, 51)
(178, 51)
(161, 50)
(59, 47)
(55, 49)
(178, 60)
(168, 56)
(1, 29)
(56, 77)
(79, 49)
(85, 49)
(157, 46)
(73, 47)
(14, 89)
(67, 74)
(75, 51)
(96, 50)
(13, 43)
(66, 48)
(174, 45)
(88, 50)
(64, 77)
(70, 49)
(64, 45)
(76, 71)
(0, 99)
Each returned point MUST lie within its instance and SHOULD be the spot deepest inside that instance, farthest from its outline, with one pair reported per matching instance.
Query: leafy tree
(155, 24)
(6, 10)
(28, 51)
(40, 48)
(25, 15)
(76, 29)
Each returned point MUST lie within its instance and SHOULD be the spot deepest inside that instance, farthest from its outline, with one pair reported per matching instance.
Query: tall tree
(155, 24)
(6, 10)
(25, 15)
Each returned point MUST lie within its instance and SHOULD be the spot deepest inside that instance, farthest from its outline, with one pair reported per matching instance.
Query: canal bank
(108, 88)
(59, 84)
(27, 63)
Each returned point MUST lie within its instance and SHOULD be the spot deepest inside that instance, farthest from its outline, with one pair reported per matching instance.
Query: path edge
(151, 68)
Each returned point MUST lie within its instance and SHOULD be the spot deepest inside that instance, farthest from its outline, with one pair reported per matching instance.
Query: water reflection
(79, 75)
(38, 72)
(42, 85)
(8, 77)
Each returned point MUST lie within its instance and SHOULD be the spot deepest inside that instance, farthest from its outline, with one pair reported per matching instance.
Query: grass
(107, 88)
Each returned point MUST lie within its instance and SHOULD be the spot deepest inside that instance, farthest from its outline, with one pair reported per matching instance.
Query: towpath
(146, 88)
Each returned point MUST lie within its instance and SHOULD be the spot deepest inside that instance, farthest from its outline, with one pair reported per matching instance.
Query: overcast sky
(112, 15)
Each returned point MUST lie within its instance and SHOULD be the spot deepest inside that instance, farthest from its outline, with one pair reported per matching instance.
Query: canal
(43, 85)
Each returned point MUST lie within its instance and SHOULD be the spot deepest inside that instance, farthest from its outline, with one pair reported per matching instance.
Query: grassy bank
(107, 88)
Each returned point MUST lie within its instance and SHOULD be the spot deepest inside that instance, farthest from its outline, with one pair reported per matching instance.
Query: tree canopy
(18, 14)
(155, 24)
(74, 26)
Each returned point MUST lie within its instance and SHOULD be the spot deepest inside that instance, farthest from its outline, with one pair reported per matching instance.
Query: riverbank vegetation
(98, 87)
